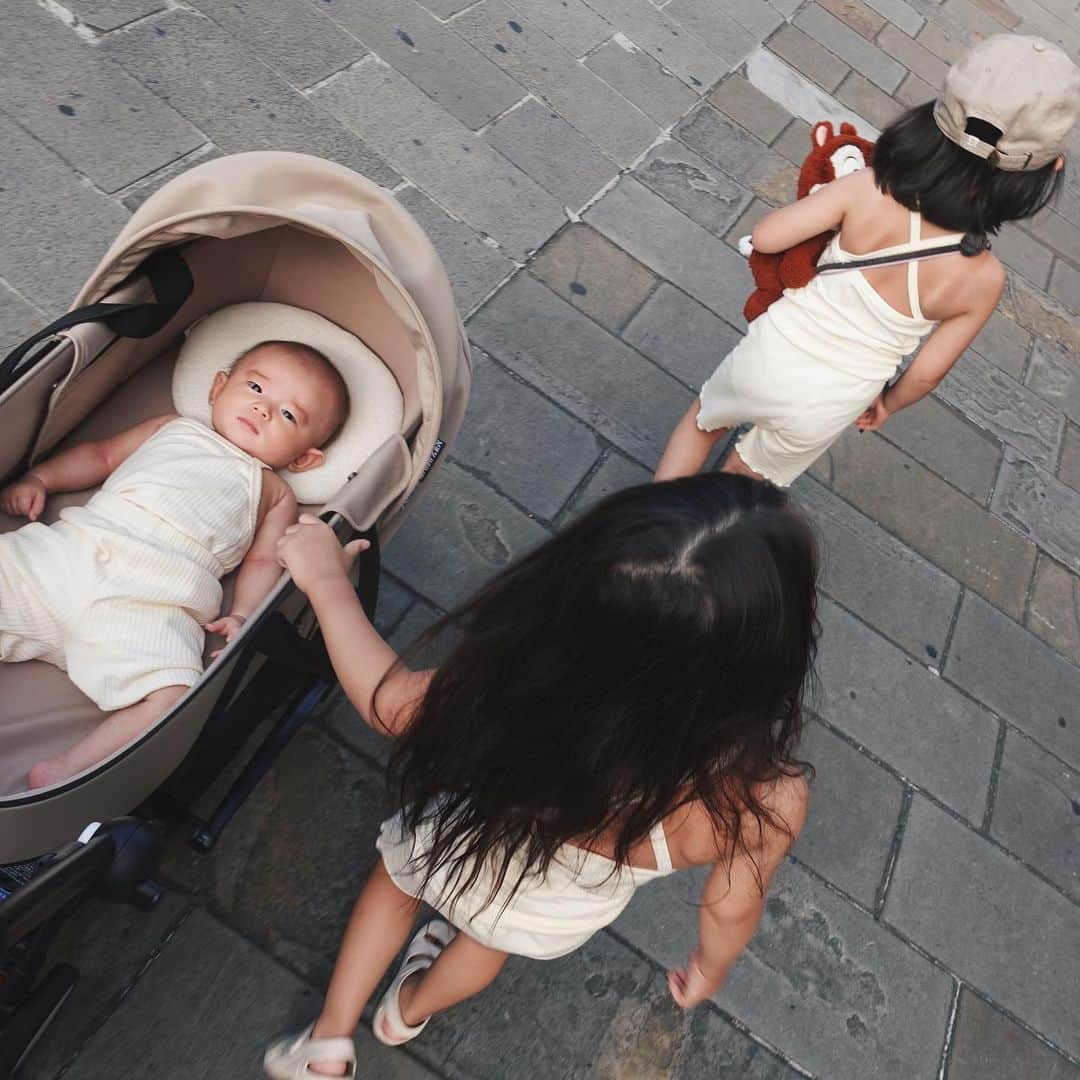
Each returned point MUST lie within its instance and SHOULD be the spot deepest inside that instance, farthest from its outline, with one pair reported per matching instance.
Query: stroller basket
(266, 226)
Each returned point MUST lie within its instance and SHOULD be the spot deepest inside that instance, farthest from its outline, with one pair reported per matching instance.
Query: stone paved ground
(585, 167)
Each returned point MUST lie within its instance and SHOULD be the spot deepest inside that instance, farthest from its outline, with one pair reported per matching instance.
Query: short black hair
(954, 189)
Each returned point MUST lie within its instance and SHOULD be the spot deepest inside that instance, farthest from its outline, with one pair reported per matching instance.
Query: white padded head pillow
(376, 408)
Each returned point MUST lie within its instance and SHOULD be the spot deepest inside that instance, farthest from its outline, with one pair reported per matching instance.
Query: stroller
(268, 227)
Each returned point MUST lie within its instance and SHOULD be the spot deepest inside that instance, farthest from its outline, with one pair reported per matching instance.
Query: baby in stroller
(120, 592)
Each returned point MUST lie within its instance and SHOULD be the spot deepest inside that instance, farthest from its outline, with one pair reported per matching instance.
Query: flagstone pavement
(585, 168)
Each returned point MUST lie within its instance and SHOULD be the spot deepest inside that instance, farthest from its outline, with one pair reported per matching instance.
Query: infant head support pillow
(376, 408)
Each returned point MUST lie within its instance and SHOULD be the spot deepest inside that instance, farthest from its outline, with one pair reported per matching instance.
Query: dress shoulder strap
(913, 267)
(660, 848)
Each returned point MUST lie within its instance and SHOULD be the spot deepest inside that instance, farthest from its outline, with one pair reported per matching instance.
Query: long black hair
(923, 170)
(654, 653)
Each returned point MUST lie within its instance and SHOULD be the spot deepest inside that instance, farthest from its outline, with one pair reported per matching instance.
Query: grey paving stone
(590, 272)
(914, 91)
(1004, 343)
(520, 443)
(1037, 811)
(851, 47)
(946, 444)
(899, 14)
(1069, 467)
(105, 15)
(1024, 254)
(444, 9)
(691, 185)
(624, 397)
(674, 246)
(1065, 285)
(951, 530)
(794, 144)
(1039, 506)
(821, 980)
(505, 35)
(1055, 376)
(953, 893)
(721, 142)
(854, 806)
(971, 17)
(207, 1007)
(394, 600)
(298, 40)
(804, 54)
(640, 79)
(602, 1011)
(1056, 232)
(96, 117)
(681, 52)
(614, 474)
(460, 170)
(198, 68)
(572, 23)
(986, 1043)
(18, 319)
(479, 533)
(881, 580)
(867, 100)
(745, 225)
(1015, 674)
(999, 404)
(708, 22)
(758, 16)
(904, 714)
(431, 55)
(862, 19)
(55, 228)
(750, 108)
(1041, 315)
(944, 42)
(773, 179)
(913, 56)
(681, 335)
(134, 195)
(1003, 14)
(558, 157)
(474, 266)
(109, 944)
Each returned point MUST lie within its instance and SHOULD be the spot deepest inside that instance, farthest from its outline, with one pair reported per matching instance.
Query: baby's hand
(310, 551)
(228, 626)
(25, 498)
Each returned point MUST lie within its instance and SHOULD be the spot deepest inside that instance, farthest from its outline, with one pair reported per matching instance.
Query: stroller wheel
(30, 1020)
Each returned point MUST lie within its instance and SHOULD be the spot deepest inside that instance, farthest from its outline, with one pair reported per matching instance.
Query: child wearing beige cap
(909, 260)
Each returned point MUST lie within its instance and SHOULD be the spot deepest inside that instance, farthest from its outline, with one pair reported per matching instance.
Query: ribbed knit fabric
(118, 591)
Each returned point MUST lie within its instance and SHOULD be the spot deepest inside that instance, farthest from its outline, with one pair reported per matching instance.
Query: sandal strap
(333, 1048)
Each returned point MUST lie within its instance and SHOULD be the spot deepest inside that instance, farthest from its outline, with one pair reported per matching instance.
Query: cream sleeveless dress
(117, 592)
(548, 916)
(814, 360)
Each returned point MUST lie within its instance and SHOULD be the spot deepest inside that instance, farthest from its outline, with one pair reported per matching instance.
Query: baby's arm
(942, 349)
(362, 660)
(732, 901)
(83, 466)
(821, 212)
(261, 567)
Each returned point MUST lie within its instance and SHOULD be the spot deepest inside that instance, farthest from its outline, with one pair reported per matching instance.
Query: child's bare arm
(733, 899)
(361, 658)
(688, 447)
(821, 212)
(83, 466)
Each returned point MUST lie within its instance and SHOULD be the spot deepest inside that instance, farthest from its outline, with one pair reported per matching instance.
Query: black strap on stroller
(172, 283)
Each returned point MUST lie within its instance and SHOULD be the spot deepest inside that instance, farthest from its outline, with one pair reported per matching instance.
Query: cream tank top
(842, 321)
(187, 495)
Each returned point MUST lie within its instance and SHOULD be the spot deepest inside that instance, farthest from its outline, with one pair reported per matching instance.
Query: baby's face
(272, 405)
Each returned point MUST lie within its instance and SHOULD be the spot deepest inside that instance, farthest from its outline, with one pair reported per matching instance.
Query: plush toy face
(832, 156)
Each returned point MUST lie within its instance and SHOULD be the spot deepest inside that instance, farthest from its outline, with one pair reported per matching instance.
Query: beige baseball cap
(1024, 86)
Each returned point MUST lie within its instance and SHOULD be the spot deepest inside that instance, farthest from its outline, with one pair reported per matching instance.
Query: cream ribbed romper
(813, 361)
(117, 592)
(549, 916)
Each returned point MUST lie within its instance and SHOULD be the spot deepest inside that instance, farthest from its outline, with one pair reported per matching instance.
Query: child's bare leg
(735, 464)
(463, 968)
(688, 447)
(115, 731)
(379, 925)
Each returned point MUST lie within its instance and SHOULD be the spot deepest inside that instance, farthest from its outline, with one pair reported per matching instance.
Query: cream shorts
(798, 406)
(65, 597)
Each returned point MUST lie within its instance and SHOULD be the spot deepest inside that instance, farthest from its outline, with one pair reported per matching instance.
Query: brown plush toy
(830, 157)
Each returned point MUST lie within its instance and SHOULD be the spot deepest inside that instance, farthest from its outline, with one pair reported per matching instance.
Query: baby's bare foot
(49, 771)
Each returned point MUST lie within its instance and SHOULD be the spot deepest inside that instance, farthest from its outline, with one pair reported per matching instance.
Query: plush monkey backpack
(831, 156)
